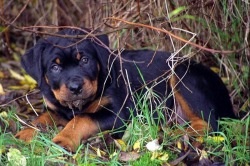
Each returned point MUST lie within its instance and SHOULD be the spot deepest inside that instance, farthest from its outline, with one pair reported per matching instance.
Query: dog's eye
(84, 60)
(56, 68)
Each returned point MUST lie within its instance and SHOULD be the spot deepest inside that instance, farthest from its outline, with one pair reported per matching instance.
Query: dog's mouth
(76, 104)
(79, 103)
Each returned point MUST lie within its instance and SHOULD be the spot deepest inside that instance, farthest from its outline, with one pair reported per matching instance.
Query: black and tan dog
(87, 87)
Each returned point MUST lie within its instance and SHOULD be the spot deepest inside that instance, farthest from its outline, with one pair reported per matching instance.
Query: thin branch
(176, 37)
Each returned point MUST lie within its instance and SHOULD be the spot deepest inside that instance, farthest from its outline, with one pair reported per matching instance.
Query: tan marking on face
(49, 104)
(89, 87)
(198, 125)
(58, 61)
(78, 56)
(96, 105)
(63, 94)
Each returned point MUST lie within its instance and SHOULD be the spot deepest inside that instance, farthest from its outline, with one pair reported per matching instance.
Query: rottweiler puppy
(89, 88)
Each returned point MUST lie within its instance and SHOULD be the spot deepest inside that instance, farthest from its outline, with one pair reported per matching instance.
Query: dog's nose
(75, 87)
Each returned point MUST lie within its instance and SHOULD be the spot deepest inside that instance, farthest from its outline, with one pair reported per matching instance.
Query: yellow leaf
(216, 139)
(1, 74)
(98, 152)
(120, 144)
(154, 155)
(29, 79)
(137, 146)
(16, 75)
(1, 90)
(200, 139)
(179, 145)
(4, 114)
(215, 69)
(204, 154)
(113, 155)
(76, 156)
(164, 157)
(28, 82)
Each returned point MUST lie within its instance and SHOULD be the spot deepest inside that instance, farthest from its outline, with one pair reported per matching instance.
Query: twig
(176, 37)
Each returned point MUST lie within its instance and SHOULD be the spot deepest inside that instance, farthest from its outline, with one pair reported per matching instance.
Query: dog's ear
(32, 62)
(101, 46)
(105, 57)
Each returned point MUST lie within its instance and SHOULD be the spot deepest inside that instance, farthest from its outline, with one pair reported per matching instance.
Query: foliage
(219, 31)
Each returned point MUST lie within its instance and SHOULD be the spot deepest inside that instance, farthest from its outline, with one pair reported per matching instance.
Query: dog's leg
(198, 126)
(80, 127)
(44, 120)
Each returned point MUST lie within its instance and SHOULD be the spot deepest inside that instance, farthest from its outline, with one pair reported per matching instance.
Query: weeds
(215, 26)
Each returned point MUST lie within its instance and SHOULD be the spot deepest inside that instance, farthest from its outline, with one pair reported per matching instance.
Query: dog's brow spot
(58, 61)
(78, 56)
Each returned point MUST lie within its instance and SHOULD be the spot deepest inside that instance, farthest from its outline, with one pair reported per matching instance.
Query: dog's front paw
(67, 142)
(26, 135)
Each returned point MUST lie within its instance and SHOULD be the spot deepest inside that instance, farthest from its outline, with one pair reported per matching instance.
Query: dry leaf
(16, 158)
(153, 145)
(120, 144)
(179, 145)
(200, 139)
(203, 160)
(215, 69)
(1, 90)
(4, 115)
(137, 146)
(128, 156)
(160, 156)
(99, 152)
(1, 74)
(16, 75)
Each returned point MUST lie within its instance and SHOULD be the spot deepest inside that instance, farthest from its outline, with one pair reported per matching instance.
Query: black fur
(200, 87)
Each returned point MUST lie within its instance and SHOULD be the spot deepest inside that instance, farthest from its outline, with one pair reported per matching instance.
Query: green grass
(222, 25)
(41, 151)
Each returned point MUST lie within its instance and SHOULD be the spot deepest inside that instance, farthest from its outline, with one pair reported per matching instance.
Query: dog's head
(71, 66)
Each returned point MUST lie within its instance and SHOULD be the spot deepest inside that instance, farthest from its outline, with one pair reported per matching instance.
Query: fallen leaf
(1, 74)
(203, 160)
(215, 69)
(137, 146)
(120, 144)
(113, 155)
(16, 75)
(29, 79)
(3, 115)
(200, 139)
(153, 145)
(154, 155)
(1, 90)
(179, 145)
(163, 156)
(99, 152)
(16, 158)
(203, 154)
(128, 156)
